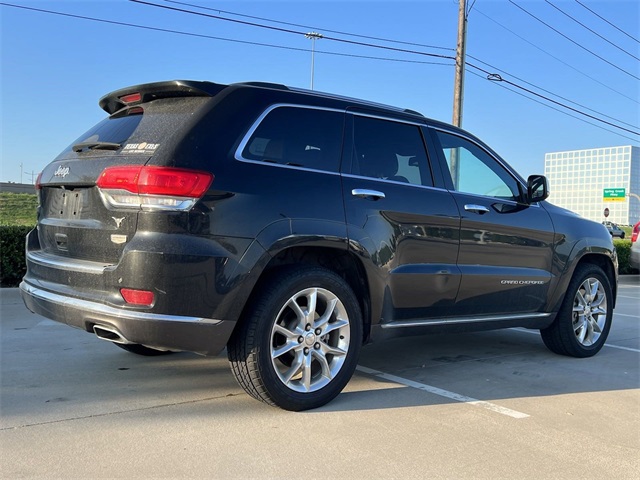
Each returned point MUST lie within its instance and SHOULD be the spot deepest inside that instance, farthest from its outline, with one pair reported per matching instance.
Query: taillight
(137, 297)
(39, 188)
(147, 187)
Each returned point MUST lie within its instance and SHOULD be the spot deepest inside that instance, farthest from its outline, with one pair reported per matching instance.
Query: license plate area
(66, 204)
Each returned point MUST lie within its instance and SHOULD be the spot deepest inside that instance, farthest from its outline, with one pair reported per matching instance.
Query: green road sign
(614, 194)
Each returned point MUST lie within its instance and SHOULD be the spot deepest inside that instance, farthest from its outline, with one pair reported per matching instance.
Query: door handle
(479, 209)
(368, 194)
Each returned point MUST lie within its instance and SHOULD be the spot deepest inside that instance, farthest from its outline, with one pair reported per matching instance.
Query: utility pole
(313, 36)
(458, 87)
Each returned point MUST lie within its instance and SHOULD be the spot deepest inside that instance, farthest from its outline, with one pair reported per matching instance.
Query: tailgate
(74, 219)
(74, 222)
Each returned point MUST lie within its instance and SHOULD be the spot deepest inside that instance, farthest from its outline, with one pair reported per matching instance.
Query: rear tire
(299, 340)
(584, 319)
(142, 350)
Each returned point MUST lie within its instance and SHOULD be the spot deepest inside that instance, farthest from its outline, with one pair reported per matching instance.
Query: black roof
(112, 102)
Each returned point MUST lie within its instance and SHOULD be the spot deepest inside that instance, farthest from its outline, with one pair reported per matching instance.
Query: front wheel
(299, 341)
(584, 320)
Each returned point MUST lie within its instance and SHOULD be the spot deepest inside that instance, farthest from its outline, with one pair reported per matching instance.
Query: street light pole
(313, 36)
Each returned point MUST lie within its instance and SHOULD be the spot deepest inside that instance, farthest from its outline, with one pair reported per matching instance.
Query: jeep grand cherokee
(292, 227)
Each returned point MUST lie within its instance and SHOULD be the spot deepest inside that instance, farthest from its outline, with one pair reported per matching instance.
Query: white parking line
(619, 347)
(443, 393)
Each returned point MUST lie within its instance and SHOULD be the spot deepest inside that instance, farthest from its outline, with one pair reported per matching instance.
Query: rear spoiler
(114, 101)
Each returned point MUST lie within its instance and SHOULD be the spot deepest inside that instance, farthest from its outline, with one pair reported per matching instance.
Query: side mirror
(537, 188)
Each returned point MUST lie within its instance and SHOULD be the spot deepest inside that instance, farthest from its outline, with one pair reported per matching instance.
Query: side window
(300, 137)
(475, 171)
(389, 150)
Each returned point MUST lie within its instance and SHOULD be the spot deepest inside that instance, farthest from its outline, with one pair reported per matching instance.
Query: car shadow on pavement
(486, 366)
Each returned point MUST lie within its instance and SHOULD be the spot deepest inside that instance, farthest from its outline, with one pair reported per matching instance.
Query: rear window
(117, 128)
(139, 129)
(299, 137)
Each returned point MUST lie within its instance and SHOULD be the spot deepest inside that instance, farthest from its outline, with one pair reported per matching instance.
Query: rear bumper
(205, 336)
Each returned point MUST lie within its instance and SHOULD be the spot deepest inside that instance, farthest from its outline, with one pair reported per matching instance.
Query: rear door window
(389, 150)
(299, 137)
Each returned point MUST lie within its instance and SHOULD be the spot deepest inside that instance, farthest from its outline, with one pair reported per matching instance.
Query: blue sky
(54, 68)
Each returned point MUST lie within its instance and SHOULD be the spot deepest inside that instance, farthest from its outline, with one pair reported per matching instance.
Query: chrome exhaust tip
(110, 334)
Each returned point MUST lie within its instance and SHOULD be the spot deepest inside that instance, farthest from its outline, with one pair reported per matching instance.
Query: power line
(554, 108)
(490, 74)
(592, 31)
(495, 76)
(573, 41)
(556, 58)
(316, 28)
(392, 41)
(295, 32)
(309, 27)
(605, 20)
(554, 94)
(212, 37)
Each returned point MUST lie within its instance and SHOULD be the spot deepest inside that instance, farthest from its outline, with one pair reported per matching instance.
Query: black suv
(292, 227)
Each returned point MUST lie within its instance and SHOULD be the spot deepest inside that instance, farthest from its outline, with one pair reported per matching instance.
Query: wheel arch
(338, 260)
(583, 254)
(607, 266)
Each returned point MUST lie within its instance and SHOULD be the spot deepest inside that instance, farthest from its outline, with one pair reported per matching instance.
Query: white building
(588, 181)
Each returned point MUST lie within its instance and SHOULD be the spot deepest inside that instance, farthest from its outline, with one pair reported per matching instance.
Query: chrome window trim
(254, 126)
(393, 182)
(494, 199)
(294, 167)
(389, 119)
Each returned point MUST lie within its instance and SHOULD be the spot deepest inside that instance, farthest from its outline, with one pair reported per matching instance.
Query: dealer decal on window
(143, 147)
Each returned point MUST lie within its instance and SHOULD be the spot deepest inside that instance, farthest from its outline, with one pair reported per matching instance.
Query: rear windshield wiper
(78, 147)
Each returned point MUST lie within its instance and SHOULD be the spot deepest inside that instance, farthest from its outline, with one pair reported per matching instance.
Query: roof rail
(356, 100)
(277, 86)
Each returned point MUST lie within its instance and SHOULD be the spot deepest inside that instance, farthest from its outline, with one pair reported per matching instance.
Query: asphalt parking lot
(483, 405)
